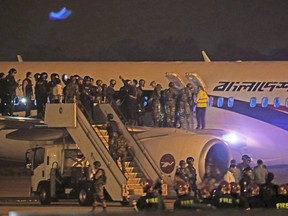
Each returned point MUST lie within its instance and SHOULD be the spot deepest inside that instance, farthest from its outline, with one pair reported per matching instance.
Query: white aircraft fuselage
(246, 98)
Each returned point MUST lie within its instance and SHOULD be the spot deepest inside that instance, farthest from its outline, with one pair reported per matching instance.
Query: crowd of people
(171, 107)
(255, 189)
(241, 187)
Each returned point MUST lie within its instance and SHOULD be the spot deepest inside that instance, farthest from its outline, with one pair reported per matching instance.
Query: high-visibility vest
(202, 99)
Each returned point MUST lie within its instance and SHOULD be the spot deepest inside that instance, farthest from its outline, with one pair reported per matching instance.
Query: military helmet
(246, 157)
(206, 191)
(2, 74)
(152, 83)
(235, 188)
(44, 75)
(224, 187)
(171, 84)
(87, 78)
(189, 86)
(37, 76)
(253, 189)
(97, 163)
(282, 190)
(188, 159)
(110, 116)
(99, 82)
(142, 82)
(12, 70)
(113, 82)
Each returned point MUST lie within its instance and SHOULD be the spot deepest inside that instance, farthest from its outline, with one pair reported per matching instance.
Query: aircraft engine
(167, 146)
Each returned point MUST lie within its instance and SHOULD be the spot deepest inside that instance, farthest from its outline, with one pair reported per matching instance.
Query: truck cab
(60, 172)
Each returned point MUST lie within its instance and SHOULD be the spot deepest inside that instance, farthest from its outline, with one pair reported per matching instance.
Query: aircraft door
(195, 79)
(174, 77)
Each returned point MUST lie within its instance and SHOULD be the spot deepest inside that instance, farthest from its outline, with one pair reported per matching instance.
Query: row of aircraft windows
(253, 102)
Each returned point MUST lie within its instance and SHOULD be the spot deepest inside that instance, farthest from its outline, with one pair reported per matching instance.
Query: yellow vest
(202, 99)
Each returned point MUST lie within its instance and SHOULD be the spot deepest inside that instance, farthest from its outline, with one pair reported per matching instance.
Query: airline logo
(250, 86)
(167, 163)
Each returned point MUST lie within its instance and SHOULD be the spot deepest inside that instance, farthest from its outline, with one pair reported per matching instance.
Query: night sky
(146, 30)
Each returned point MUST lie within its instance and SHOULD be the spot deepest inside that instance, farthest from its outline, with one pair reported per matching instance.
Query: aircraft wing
(20, 122)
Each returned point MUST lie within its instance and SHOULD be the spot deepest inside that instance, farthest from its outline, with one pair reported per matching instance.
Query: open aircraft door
(174, 77)
(195, 79)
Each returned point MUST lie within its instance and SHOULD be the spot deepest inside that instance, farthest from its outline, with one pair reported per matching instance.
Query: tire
(44, 194)
(85, 197)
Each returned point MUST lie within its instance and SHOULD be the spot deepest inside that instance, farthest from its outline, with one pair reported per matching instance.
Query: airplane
(247, 101)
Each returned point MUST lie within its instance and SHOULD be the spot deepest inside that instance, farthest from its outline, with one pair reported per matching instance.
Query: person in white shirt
(57, 92)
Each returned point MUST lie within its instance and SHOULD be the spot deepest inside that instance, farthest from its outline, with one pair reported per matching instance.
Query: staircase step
(134, 180)
(135, 175)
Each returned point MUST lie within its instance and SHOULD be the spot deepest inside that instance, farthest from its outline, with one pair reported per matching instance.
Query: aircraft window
(230, 101)
(277, 102)
(210, 101)
(35, 102)
(264, 102)
(220, 102)
(253, 101)
(286, 102)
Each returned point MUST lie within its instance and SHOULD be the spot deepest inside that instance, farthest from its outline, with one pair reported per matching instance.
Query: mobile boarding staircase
(92, 140)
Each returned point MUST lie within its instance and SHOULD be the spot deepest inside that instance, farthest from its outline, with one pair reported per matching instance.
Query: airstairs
(92, 140)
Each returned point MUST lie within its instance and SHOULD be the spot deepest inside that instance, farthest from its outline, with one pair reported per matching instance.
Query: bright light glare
(23, 100)
(231, 138)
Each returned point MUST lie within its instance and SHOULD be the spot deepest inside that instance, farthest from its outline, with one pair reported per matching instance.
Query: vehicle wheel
(44, 195)
(85, 197)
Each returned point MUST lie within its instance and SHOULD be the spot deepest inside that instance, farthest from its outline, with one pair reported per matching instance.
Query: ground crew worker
(122, 151)
(113, 133)
(281, 200)
(192, 175)
(201, 104)
(237, 173)
(27, 89)
(10, 86)
(169, 98)
(236, 193)
(185, 201)
(99, 181)
(260, 173)
(268, 190)
(223, 198)
(185, 104)
(254, 198)
(150, 201)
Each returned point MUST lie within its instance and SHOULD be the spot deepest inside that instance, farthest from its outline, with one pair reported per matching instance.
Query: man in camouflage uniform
(122, 150)
(170, 97)
(72, 91)
(185, 104)
(156, 105)
(113, 133)
(99, 179)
